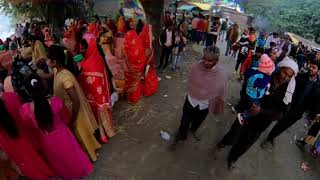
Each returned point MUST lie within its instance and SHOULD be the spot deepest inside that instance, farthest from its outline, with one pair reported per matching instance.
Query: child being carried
(258, 83)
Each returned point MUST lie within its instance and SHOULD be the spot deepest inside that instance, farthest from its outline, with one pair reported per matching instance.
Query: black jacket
(306, 95)
(163, 37)
(305, 91)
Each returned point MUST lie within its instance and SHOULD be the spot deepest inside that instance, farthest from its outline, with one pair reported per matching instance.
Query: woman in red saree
(151, 81)
(95, 84)
(136, 63)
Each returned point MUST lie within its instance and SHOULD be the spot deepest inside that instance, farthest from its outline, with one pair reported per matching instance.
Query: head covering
(266, 65)
(287, 62)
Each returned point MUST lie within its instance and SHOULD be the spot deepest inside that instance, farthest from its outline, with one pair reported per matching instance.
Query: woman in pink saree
(47, 121)
(96, 85)
(136, 62)
(15, 141)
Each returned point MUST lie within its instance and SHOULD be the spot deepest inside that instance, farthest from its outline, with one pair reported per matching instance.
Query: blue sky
(5, 27)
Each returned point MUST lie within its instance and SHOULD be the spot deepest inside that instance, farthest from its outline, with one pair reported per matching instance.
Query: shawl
(287, 62)
(208, 84)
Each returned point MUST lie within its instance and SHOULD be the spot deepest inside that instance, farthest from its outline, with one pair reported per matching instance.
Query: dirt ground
(138, 153)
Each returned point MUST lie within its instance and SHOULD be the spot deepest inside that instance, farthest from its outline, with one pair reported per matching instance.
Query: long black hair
(63, 58)
(139, 26)
(42, 108)
(6, 121)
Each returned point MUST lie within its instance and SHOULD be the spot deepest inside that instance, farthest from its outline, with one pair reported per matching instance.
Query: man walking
(206, 93)
(307, 86)
(167, 41)
(224, 27)
(232, 37)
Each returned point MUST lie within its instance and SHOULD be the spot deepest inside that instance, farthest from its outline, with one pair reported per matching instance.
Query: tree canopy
(299, 17)
(51, 11)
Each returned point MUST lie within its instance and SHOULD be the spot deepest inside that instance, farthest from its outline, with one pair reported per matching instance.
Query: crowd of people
(281, 83)
(57, 95)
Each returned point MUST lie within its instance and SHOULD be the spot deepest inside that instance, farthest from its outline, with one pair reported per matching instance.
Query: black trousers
(314, 129)
(284, 124)
(232, 134)
(166, 51)
(244, 102)
(209, 41)
(246, 136)
(192, 118)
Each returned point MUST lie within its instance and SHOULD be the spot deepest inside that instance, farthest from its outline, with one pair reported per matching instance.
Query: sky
(5, 27)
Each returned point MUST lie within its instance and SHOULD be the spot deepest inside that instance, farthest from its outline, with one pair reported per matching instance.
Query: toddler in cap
(258, 83)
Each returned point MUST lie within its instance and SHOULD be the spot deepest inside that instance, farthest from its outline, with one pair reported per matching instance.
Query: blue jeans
(176, 61)
(228, 48)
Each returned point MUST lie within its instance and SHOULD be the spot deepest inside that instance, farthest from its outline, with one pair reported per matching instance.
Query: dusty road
(138, 153)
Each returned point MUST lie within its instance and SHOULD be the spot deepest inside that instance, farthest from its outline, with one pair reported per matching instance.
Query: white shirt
(271, 39)
(18, 32)
(195, 102)
(169, 38)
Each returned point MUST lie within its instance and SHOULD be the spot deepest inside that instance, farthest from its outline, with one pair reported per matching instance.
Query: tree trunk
(154, 13)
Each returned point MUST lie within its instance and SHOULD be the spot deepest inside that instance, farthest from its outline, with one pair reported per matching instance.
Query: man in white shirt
(213, 31)
(285, 47)
(167, 43)
(18, 34)
(206, 89)
(274, 37)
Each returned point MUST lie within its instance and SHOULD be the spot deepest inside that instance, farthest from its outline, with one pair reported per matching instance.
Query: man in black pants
(167, 41)
(206, 91)
(304, 99)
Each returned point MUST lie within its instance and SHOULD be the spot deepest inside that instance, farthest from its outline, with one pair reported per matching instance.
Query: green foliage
(297, 16)
(50, 12)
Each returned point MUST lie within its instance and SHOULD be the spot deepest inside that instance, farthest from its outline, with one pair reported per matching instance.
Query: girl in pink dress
(14, 140)
(48, 120)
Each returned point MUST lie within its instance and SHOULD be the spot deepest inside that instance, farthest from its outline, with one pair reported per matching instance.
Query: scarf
(208, 84)
(287, 62)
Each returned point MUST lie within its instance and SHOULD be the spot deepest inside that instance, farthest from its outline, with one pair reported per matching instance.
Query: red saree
(136, 62)
(94, 82)
(93, 29)
(151, 81)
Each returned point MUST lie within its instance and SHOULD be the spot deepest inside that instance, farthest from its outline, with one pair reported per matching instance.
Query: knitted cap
(266, 65)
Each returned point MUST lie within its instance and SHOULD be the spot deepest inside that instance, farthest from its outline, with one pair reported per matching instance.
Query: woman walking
(67, 88)
(96, 85)
(47, 120)
(15, 142)
(136, 62)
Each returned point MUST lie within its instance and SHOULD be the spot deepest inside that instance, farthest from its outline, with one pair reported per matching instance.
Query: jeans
(222, 34)
(176, 61)
(228, 48)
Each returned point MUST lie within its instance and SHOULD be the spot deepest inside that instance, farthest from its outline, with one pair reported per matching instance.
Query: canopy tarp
(202, 6)
(186, 8)
(296, 38)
